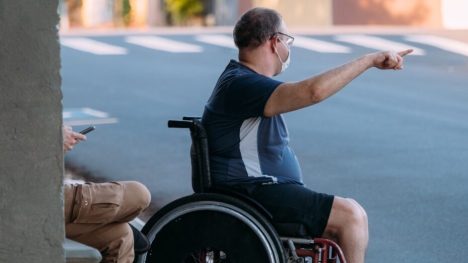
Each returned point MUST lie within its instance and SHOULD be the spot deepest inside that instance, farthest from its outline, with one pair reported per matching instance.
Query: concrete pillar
(31, 155)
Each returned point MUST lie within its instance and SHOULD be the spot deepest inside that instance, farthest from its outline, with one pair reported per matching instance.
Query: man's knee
(136, 198)
(346, 213)
(138, 193)
(356, 213)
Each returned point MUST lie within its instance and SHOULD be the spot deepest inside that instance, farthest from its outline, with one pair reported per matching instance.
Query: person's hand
(71, 138)
(389, 59)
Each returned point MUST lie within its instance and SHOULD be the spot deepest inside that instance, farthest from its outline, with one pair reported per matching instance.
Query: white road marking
(320, 45)
(92, 46)
(163, 44)
(217, 40)
(90, 121)
(86, 116)
(441, 42)
(378, 43)
(95, 113)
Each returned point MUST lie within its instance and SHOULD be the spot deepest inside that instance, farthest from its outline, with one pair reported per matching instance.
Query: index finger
(405, 52)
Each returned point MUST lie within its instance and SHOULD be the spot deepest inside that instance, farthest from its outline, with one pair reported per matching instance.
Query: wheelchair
(221, 225)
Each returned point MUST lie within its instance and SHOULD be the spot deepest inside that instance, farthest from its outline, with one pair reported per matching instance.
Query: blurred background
(302, 13)
(396, 141)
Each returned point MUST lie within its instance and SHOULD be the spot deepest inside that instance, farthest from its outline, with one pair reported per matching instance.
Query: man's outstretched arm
(293, 96)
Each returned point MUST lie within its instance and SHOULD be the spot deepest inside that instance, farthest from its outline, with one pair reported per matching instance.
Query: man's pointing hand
(389, 59)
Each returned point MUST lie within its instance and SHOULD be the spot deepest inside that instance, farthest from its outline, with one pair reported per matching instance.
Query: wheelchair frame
(281, 243)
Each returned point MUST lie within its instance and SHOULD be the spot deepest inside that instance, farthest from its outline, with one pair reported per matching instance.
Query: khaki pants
(97, 214)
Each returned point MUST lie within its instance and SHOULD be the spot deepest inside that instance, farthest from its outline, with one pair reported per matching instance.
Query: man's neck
(257, 61)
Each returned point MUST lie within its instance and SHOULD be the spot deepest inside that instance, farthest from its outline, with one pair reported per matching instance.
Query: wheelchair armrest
(179, 124)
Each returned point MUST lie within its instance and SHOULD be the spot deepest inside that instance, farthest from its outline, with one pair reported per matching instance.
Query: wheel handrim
(238, 213)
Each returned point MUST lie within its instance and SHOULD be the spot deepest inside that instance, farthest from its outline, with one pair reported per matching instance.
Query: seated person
(97, 214)
(248, 138)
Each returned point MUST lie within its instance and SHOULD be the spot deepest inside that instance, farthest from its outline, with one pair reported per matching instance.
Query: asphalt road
(396, 141)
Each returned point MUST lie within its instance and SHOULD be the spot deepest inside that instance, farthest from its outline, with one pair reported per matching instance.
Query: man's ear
(273, 41)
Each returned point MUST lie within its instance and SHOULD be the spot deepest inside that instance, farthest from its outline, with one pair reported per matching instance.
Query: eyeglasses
(289, 39)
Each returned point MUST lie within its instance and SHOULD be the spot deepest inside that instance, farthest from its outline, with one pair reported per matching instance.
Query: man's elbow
(309, 93)
(315, 96)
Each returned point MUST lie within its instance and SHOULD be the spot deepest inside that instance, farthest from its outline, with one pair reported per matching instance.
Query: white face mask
(285, 64)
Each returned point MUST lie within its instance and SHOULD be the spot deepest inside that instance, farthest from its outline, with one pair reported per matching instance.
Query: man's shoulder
(238, 74)
(236, 69)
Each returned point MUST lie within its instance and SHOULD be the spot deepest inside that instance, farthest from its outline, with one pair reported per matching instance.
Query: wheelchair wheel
(211, 228)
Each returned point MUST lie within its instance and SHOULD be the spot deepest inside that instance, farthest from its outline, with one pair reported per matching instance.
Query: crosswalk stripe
(92, 46)
(86, 116)
(319, 45)
(217, 40)
(378, 43)
(163, 44)
(440, 42)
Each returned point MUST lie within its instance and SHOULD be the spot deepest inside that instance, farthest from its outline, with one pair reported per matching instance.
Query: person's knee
(356, 213)
(140, 195)
(346, 214)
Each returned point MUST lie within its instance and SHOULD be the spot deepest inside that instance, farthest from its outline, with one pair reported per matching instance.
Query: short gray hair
(255, 27)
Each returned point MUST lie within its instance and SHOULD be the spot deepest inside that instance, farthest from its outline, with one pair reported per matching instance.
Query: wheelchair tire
(211, 228)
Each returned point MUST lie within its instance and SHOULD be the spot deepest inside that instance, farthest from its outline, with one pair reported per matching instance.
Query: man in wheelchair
(248, 138)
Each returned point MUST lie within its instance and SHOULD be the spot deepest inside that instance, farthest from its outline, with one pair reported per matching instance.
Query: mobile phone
(89, 129)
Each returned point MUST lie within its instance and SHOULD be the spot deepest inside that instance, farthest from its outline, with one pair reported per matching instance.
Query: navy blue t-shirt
(246, 147)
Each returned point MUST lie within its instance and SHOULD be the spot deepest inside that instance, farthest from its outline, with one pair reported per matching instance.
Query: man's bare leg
(348, 226)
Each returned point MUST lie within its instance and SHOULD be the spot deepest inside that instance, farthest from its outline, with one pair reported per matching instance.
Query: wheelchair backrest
(199, 152)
